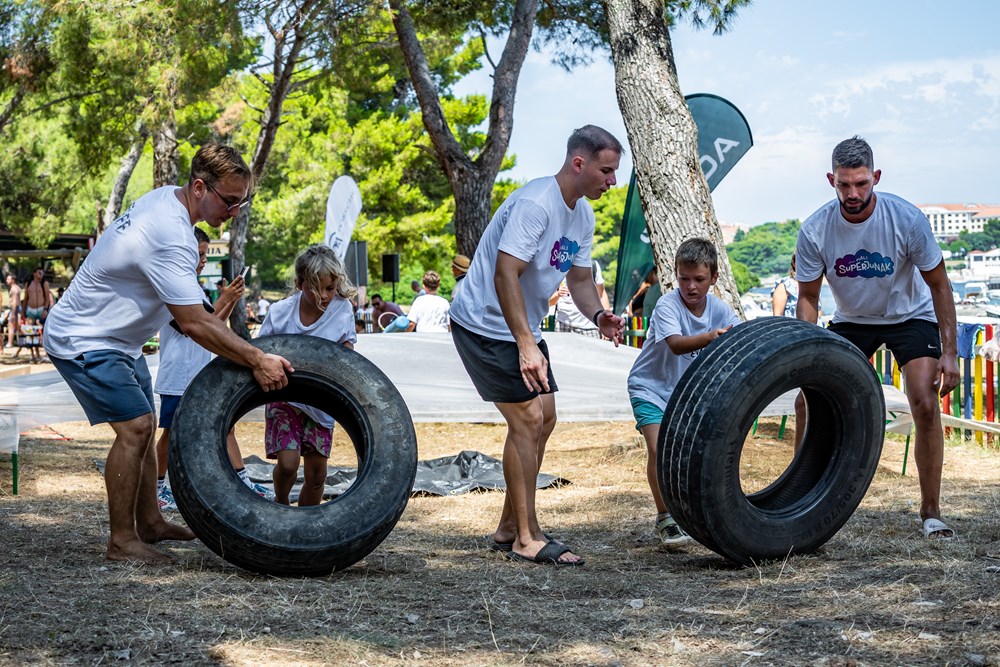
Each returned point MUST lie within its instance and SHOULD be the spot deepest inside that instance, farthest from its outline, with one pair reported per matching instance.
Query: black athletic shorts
(495, 366)
(907, 340)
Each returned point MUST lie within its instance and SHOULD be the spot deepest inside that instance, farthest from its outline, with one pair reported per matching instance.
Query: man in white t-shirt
(541, 234)
(429, 312)
(141, 274)
(888, 278)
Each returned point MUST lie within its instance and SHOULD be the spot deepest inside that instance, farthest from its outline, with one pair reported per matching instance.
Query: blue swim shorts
(168, 406)
(645, 413)
(110, 386)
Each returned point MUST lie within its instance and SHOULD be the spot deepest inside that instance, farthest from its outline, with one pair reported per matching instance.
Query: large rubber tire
(267, 537)
(713, 408)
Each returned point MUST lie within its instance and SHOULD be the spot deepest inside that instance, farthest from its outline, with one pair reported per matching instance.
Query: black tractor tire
(267, 537)
(712, 409)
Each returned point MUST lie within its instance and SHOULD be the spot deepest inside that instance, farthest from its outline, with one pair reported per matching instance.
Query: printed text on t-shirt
(863, 264)
(563, 252)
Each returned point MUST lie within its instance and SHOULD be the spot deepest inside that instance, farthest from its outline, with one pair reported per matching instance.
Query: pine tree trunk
(117, 195)
(473, 195)
(471, 180)
(166, 159)
(675, 197)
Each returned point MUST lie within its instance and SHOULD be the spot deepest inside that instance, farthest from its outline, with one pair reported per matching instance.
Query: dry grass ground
(431, 594)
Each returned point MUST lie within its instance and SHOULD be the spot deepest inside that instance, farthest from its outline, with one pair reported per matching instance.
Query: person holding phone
(180, 360)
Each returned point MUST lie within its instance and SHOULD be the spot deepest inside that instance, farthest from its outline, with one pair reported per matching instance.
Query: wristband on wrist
(597, 316)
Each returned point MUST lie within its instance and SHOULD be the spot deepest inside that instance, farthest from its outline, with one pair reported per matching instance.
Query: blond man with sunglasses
(141, 274)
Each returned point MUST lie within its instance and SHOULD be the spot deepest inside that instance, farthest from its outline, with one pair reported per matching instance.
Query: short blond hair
(431, 280)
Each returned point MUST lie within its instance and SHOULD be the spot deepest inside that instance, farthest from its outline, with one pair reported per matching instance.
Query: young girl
(319, 307)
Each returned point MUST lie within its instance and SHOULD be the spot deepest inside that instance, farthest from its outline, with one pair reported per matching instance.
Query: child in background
(180, 360)
(683, 322)
(319, 307)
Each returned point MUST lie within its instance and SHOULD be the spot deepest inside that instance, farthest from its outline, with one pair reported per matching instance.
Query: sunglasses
(230, 207)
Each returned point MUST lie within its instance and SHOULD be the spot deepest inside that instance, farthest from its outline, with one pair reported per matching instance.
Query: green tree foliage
(746, 280)
(135, 62)
(987, 239)
(765, 249)
(26, 33)
(407, 204)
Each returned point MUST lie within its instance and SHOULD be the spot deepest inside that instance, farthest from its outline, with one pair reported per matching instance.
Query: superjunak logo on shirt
(563, 252)
(863, 264)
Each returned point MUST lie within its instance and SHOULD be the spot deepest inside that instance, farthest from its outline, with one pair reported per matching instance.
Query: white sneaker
(670, 533)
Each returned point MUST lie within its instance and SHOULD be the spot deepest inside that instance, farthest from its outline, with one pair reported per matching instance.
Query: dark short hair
(591, 140)
(853, 153)
(697, 252)
(376, 296)
(200, 235)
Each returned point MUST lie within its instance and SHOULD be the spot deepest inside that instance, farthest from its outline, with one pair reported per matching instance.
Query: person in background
(379, 307)
(180, 360)
(429, 312)
(785, 294)
(459, 268)
(417, 289)
(568, 316)
(262, 306)
(14, 320)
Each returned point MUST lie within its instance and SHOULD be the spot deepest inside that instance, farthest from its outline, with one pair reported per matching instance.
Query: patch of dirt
(431, 594)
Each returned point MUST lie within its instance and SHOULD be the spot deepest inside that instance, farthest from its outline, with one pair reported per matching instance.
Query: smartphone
(244, 272)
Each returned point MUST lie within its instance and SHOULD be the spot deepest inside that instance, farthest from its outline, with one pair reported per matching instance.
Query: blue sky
(920, 80)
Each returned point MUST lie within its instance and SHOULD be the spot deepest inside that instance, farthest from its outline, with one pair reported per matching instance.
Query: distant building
(983, 264)
(729, 232)
(948, 220)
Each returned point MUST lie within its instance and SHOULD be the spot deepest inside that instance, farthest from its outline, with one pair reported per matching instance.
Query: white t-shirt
(569, 315)
(873, 267)
(117, 301)
(180, 360)
(335, 324)
(657, 370)
(535, 225)
(430, 313)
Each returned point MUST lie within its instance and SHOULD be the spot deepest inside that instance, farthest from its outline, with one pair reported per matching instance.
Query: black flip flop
(547, 555)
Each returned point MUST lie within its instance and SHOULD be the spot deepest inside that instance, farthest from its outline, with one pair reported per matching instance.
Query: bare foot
(164, 530)
(137, 551)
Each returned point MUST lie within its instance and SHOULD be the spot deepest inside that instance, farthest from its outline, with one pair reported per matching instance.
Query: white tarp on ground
(426, 369)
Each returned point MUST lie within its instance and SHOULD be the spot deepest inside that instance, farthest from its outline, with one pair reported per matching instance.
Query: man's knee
(136, 432)
(926, 410)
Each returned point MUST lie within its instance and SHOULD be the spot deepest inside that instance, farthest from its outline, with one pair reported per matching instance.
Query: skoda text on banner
(723, 138)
